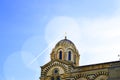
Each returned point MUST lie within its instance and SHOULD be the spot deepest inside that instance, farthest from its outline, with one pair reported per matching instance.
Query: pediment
(56, 63)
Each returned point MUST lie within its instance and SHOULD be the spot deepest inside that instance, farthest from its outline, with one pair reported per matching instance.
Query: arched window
(55, 78)
(60, 55)
(52, 78)
(55, 74)
(69, 55)
(58, 78)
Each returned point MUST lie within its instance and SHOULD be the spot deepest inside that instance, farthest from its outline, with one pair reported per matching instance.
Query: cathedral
(64, 65)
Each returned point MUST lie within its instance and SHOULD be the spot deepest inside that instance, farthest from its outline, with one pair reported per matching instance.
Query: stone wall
(114, 71)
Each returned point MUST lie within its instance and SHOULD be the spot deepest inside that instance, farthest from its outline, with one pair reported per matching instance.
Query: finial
(65, 35)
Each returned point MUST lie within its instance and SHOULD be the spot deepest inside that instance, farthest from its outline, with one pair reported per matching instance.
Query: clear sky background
(29, 29)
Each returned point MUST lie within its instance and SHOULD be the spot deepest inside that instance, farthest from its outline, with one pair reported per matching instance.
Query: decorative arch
(53, 65)
(81, 77)
(60, 54)
(69, 54)
(97, 76)
(101, 75)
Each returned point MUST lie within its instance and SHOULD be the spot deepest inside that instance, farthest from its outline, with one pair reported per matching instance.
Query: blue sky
(29, 29)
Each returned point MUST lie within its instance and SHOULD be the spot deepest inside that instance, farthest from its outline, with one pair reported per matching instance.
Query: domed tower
(65, 50)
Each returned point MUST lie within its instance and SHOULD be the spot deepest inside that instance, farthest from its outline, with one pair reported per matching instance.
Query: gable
(48, 68)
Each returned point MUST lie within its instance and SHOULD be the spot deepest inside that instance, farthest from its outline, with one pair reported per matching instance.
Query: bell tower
(65, 50)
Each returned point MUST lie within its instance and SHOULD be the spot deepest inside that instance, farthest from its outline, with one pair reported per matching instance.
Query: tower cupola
(65, 50)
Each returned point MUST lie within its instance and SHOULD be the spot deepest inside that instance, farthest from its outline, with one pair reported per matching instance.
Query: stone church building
(64, 65)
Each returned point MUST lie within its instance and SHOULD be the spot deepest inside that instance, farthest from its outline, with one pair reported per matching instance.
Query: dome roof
(66, 43)
(63, 49)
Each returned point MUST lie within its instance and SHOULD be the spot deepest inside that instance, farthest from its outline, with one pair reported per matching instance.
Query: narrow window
(52, 78)
(60, 55)
(58, 78)
(69, 55)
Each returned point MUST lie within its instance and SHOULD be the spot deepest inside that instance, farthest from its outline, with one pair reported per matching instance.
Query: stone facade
(64, 65)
